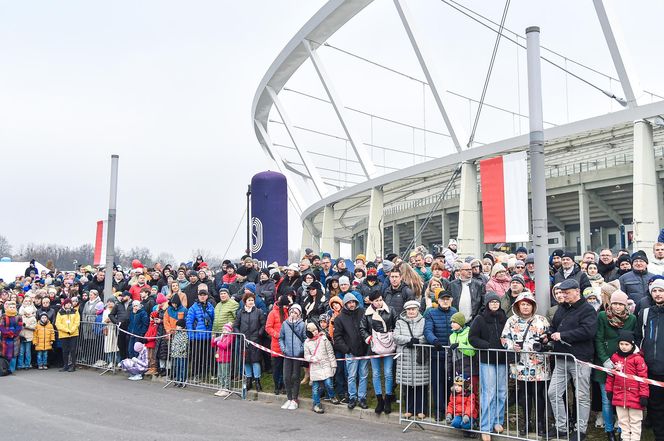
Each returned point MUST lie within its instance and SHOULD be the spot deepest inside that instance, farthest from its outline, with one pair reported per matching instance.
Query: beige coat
(319, 353)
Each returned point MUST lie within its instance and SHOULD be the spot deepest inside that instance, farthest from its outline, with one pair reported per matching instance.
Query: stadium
(382, 183)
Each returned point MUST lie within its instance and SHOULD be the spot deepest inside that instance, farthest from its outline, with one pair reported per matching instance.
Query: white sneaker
(286, 405)
(222, 393)
(136, 377)
(110, 365)
(293, 405)
(599, 422)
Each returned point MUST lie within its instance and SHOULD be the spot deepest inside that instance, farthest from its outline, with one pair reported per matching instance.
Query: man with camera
(572, 331)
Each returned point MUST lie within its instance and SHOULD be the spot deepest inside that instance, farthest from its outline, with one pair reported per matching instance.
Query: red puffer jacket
(463, 403)
(626, 392)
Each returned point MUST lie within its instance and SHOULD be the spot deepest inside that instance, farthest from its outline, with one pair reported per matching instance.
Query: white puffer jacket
(319, 353)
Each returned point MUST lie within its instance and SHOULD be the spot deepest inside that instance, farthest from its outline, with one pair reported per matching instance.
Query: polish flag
(100, 243)
(505, 198)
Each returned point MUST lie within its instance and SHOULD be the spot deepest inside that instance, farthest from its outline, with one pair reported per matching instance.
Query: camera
(539, 346)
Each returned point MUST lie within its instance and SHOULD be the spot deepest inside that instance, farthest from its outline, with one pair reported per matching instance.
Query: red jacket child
(626, 392)
(462, 402)
(224, 345)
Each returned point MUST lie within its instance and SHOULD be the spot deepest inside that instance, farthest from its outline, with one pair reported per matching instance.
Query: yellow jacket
(43, 337)
(67, 323)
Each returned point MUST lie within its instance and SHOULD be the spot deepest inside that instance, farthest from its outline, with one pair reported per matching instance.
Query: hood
(526, 295)
(335, 299)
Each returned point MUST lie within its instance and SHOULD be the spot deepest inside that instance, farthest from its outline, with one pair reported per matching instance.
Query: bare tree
(5, 247)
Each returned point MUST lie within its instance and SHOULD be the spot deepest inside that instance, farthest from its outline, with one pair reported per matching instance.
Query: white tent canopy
(9, 270)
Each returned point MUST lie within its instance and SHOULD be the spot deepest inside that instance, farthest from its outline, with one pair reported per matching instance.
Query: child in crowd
(462, 407)
(224, 345)
(10, 328)
(28, 314)
(43, 339)
(463, 358)
(110, 332)
(138, 365)
(629, 397)
(151, 343)
(322, 365)
(179, 352)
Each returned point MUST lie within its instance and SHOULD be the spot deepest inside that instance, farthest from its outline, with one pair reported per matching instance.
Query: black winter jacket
(395, 298)
(120, 314)
(485, 333)
(476, 295)
(347, 337)
(577, 324)
(647, 338)
(368, 323)
(577, 275)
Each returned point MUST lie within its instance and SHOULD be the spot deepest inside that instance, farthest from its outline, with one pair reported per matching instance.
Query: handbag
(419, 350)
(382, 342)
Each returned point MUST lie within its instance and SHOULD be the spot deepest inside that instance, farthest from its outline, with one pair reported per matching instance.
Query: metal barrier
(208, 360)
(519, 395)
(97, 346)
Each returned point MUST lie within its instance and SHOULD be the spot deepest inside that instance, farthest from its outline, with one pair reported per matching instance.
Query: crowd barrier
(497, 391)
(97, 346)
(208, 360)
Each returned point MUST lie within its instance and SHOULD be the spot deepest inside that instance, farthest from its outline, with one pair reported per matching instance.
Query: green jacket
(606, 341)
(224, 312)
(461, 337)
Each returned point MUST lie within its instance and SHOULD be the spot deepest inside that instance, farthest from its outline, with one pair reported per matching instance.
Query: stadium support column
(396, 242)
(646, 215)
(374, 242)
(444, 229)
(540, 222)
(584, 219)
(469, 213)
(337, 249)
(327, 235)
(308, 235)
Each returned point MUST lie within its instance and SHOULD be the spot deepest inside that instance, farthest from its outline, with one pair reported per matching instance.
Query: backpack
(4, 367)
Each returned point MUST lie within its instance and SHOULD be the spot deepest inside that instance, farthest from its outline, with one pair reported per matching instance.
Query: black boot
(611, 436)
(250, 382)
(389, 399)
(522, 421)
(380, 406)
(259, 388)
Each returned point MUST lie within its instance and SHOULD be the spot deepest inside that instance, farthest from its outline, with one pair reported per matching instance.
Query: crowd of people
(321, 319)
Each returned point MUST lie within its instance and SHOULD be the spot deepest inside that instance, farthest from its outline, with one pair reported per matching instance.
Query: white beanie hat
(344, 280)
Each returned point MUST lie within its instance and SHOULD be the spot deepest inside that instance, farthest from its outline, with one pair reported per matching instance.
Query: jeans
(113, 357)
(341, 376)
(12, 364)
(493, 383)
(561, 373)
(607, 409)
(388, 373)
(315, 390)
(42, 358)
(292, 378)
(224, 372)
(278, 372)
(179, 370)
(354, 368)
(24, 354)
(252, 370)
(457, 423)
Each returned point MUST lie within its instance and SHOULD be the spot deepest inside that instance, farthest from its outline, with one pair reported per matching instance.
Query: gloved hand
(609, 396)
(609, 364)
(465, 419)
(453, 346)
(409, 344)
(643, 401)
(448, 418)
(414, 341)
(438, 346)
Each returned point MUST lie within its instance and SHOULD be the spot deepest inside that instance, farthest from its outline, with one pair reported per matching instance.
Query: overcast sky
(168, 85)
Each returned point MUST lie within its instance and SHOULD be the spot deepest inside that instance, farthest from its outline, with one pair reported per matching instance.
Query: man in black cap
(556, 261)
(521, 253)
(635, 282)
(573, 330)
(570, 270)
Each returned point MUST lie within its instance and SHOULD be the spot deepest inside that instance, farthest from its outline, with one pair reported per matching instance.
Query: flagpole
(537, 177)
(110, 234)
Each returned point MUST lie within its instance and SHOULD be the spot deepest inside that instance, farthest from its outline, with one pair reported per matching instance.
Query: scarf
(617, 320)
(596, 277)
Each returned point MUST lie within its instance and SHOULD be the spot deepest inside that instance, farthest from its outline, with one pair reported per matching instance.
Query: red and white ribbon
(624, 375)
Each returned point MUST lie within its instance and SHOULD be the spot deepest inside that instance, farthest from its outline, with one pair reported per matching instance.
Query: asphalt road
(54, 406)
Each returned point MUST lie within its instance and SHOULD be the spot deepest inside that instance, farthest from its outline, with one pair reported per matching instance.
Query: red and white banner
(100, 243)
(505, 198)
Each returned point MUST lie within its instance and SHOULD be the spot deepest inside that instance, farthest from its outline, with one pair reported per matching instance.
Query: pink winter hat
(161, 299)
(619, 297)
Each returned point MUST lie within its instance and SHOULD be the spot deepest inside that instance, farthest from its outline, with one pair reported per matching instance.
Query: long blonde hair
(412, 279)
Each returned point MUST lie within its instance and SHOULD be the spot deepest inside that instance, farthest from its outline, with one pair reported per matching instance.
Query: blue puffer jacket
(438, 326)
(635, 284)
(291, 338)
(200, 319)
(138, 322)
